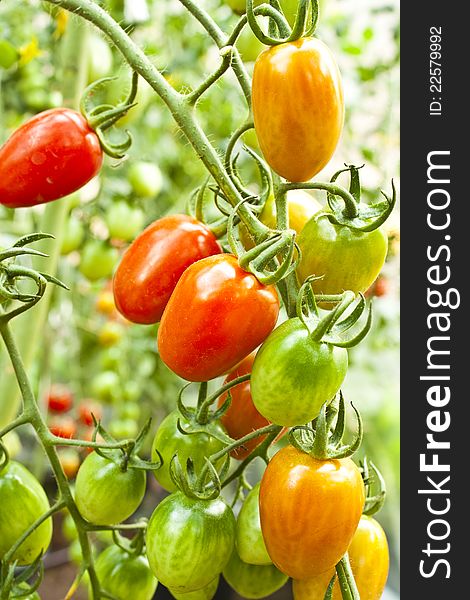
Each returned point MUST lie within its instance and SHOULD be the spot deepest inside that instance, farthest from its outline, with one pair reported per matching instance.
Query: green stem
(226, 54)
(351, 208)
(204, 406)
(346, 579)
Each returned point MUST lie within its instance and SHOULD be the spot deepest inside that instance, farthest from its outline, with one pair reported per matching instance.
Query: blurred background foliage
(86, 345)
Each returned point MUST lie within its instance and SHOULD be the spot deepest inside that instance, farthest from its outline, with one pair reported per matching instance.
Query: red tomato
(64, 427)
(153, 263)
(59, 399)
(242, 417)
(87, 409)
(216, 316)
(51, 155)
(309, 511)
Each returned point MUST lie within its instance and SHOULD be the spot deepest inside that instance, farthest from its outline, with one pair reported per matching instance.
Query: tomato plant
(189, 541)
(298, 107)
(253, 581)
(228, 313)
(155, 261)
(51, 155)
(250, 543)
(23, 500)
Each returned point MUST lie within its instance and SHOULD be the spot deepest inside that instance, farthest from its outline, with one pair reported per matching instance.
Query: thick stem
(346, 579)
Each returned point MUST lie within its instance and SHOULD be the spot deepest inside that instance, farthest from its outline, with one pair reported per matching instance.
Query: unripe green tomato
(73, 235)
(123, 428)
(75, 552)
(12, 443)
(130, 410)
(106, 494)
(100, 58)
(8, 54)
(105, 386)
(206, 593)
(22, 502)
(124, 222)
(69, 528)
(132, 393)
(124, 576)
(250, 543)
(249, 45)
(145, 178)
(98, 260)
(239, 6)
(253, 581)
(111, 358)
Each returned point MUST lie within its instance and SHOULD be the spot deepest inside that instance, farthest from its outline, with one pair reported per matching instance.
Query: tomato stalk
(346, 579)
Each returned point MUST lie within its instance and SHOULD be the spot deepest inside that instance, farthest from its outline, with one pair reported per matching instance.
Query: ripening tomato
(110, 333)
(22, 502)
(252, 581)
(217, 314)
(250, 543)
(298, 107)
(242, 417)
(206, 593)
(59, 399)
(69, 461)
(369, 557)
(64, 427)
(125, 576)
(51, 155)
(189, 541)
(294, 375)
(170, 441)
(309, 511)
(347, 259)
(105, 493)
(105, 302)
(152, 265)
(87, 409)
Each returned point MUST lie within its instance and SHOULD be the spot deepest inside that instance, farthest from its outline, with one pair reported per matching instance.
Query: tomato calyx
(16, 584)
(103, 116)
(205, 485)
(375, 487)
(334, 328)
(305, 21)
(321, 440)
(134, 546)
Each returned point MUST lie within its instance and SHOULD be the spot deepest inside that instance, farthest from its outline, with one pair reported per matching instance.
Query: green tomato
(9, 55)
(12, 443)
(253, 581)
(22, 502)
(206, 593)
(130, 410)
(18, 592)
(123, 429)
(239, 6)
(98, 260)
(75, 552)
(110, 359)
(249, 45)
(170, 441)
(124, 576)
(100, 58)
(189, 541)
(73, 235)
(69, 528)
(124, 222)
(293, 374)
(105, 386)
(347, 259)
(104, 493)
(145, 178)
(250, 543)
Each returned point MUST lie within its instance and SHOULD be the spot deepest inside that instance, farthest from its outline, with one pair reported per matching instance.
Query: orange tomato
(298, 107)
(369, 558)
(309, 511)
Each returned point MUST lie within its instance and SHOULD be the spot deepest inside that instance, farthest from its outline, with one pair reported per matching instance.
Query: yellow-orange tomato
(309, 511)
(298, 107)
(301, 207)
(369, 558)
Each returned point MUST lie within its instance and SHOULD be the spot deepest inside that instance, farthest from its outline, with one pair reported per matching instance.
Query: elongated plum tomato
(189, 541)
(154, 262)
(124, 575)
(217, 314)
(206, 593)
(51, 155)
(250, 543)
(242, 417)
(22, 502)
(294, 374)
(369, 558)
(298, 107)
(347, 259)
(253, 581)
(309, 511)
(105, 493)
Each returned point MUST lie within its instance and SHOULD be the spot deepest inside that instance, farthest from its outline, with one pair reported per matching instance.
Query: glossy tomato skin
(217, 314)
(189, 541)
(104, 493)
(298, 107)
(206, 593)
(50, 156)
(60, 399)
(309, 511)
(22, 501)
(253, 581)
(348, 260)
(170, 441)
(250, 543)
(293, 374)
(369, 557)
(125, 576)
(152, 265)
(242, 417)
